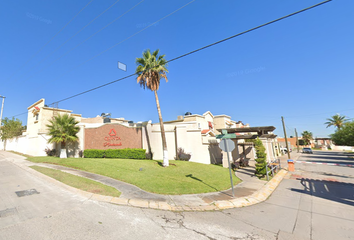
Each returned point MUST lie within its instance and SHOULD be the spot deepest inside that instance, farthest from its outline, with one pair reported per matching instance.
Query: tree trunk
(163, 136)
(63, 150)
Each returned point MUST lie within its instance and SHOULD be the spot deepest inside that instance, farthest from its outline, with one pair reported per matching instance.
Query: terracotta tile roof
(205, 131)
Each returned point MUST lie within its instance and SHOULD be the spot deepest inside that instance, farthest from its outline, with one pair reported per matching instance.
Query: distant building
(323, 143)
(291, 142)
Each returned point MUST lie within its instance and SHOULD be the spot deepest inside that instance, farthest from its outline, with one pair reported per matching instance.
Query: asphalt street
(314, 202)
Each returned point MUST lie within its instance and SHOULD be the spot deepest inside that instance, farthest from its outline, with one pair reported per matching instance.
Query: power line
(250, 30)
(50, 39)
(74, 36)
(199, 49)
(20, 114)
(125, 39)
(67, 52)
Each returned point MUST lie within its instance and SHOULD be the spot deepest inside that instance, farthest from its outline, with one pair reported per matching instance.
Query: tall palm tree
(307, 137)
(63, 129)
(150, 70)
(337, 121)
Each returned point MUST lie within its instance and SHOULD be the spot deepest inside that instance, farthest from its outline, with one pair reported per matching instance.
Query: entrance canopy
(251, 132)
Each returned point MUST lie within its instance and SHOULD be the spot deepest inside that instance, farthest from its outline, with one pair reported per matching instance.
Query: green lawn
(84, 184)
(179, 178)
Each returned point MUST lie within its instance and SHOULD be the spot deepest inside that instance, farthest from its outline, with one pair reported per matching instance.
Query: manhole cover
(26, 193)
(8, 212)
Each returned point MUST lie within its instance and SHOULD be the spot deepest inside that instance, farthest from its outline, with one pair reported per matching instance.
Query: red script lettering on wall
(112, 139)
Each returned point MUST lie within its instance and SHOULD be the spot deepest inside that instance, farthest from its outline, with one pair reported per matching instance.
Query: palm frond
(63, 128)
(150, 69)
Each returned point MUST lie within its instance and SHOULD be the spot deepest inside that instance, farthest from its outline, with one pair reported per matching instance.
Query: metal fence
(272, 167)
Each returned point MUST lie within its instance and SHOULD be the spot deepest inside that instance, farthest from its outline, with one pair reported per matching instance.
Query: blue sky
(300, 68)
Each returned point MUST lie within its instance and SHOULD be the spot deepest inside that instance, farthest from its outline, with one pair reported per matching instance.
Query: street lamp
(2, 108)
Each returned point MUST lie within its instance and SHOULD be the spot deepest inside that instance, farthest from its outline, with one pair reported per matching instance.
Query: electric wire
(189, 53)
(197, 50)
(250, 30)
(51, 53)
(123, 40)
(67, 52)
(51, 39)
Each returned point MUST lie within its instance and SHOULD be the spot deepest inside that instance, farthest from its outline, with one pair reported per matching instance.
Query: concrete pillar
(225, 164)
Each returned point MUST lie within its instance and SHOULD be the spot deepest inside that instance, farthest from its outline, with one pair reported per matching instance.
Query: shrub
(181, 155)
(93, 153)
(261, 161)
(127, 153)
(50, 152)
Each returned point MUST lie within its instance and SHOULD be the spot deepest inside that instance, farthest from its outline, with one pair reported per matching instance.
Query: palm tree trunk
(163, 136)
(63, 150)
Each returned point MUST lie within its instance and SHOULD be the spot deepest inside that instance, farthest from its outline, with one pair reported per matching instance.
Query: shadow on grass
(195, 178)
(161, 163)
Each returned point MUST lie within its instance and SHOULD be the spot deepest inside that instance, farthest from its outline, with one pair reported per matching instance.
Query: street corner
(119, 201)
(224, 204)
(164, 206)
(141, 203)
(84, 194)
(244, 202)
(101, 198)
(154, 204)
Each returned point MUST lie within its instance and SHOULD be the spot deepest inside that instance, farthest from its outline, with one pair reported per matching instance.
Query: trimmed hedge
(93, 153)
(127, 153)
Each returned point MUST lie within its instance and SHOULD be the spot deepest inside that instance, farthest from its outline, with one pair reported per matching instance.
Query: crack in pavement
(297, 214)
(230, 216)
(180, 222)
(177, 222)
(153, 220)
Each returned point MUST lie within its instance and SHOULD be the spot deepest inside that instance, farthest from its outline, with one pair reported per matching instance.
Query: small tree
(345, 135)
(261, 160)
(301, 142)
(307, 137)
(63, 129)
(10, 128)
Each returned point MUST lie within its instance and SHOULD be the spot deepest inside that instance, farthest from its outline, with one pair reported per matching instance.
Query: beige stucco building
(194, 133)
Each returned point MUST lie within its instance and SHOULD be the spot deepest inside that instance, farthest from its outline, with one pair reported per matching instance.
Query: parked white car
(284, 150)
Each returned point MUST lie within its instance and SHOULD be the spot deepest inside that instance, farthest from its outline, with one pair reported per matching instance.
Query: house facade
(194, 133)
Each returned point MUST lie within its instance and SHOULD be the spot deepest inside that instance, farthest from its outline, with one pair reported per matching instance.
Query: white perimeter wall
(36, 145)
(342, 148)
(180, 136)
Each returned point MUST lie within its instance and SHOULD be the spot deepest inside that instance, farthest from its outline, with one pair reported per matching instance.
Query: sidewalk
(249, 192)
(294, 155)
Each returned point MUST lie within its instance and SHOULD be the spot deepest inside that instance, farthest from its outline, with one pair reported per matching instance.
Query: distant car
(307, 150)
(285, 150)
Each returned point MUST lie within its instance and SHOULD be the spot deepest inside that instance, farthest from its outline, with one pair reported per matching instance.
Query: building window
(199, 125)
(37, 115)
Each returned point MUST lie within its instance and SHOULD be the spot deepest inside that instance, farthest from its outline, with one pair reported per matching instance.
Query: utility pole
(297, 141)
(2, 108)
(286, 139)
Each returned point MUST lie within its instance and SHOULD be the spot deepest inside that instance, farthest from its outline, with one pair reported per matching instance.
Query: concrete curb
(257, 197)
